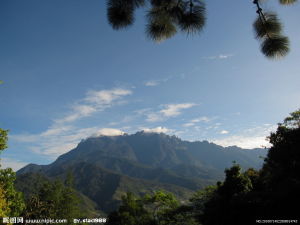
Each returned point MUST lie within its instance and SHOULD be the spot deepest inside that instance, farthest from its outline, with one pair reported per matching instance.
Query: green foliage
(31, 184)
(11, 201)
(223, 203)
(201, 197)
(283, 160)
(54, 200)
(181, 215)
(131, 212)
(160, 204)
(13, 198)
(161, 199)
(157, 208)
(235, 182)
(3, 139)
(4, 207)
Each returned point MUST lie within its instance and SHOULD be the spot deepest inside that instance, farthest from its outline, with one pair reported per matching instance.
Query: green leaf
(3, 139)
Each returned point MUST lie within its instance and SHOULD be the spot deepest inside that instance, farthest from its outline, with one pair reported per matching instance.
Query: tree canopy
(167, 17)
(53, 200)
(3, 139)
(11, 201)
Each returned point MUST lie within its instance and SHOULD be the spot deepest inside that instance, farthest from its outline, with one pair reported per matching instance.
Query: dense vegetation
(11, 201)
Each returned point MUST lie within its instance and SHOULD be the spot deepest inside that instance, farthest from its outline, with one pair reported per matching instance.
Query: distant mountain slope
(161, 150)
(106, 167)
(101, 186)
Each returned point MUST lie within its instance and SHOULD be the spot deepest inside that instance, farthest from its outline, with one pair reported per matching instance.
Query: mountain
(106, 167)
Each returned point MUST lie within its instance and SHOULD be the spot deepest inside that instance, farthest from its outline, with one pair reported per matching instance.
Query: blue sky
(67, 76)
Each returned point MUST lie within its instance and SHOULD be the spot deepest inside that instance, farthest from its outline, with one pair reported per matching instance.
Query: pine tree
(167, 17)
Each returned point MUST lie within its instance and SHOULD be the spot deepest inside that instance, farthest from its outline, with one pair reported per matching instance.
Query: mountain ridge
(112, 165)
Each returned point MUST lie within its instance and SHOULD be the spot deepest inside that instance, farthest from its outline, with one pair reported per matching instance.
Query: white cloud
(56, 130)
(188, 124)
(156, 130)
(108, 132)
(152, 83)
(201, 119)
(193, 122)
(12, 163)
(220, 56)
(156, 82)
(243, 141)
(170, 110)
(254, 137)
(95, 101)
(106, 97)
(224, 132)
(154, 117)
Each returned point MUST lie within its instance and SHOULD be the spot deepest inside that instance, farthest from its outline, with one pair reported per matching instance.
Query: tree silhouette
(271, 192)
(167, 17)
